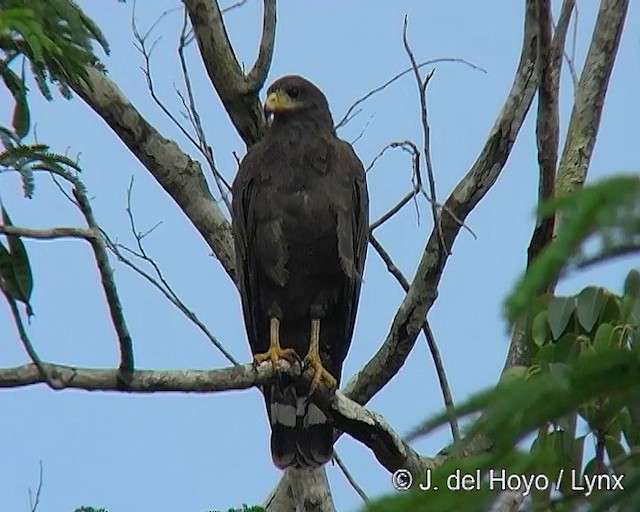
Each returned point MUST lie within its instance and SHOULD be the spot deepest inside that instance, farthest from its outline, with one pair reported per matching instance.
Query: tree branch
(547, 127)
(422, 293)
(48, 234)
(589, 98)
(109, 286)
(258, 74)
(366, 426)
(238, 95)
(179, 175)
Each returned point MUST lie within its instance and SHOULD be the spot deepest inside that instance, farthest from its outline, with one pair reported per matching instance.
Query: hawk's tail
(301, 434)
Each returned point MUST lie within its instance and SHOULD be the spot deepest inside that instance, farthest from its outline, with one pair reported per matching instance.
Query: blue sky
(171, 452)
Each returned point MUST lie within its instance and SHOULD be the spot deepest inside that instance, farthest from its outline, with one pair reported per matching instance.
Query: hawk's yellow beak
(277, 101)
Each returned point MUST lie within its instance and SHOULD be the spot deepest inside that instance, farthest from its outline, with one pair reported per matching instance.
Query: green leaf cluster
(581, 388)
(16, 280)
(55, 37)
(599, 222)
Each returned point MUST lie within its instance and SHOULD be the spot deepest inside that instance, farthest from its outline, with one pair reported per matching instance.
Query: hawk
(300, 219)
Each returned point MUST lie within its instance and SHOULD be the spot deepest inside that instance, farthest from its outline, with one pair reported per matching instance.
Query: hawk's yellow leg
(275, 352)
(313, 360)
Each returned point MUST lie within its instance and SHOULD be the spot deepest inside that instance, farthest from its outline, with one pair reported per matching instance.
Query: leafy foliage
(26, 158)
(16, 280)
(605, 217)
(583, 382)
(55, 36)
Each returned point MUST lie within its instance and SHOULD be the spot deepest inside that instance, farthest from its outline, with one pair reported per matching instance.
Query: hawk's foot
(276, 352)
(314, 361)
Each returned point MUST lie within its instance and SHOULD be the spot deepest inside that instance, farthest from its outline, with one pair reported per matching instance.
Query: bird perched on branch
(300, 223)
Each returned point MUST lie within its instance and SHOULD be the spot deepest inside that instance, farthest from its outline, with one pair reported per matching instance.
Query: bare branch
(160, 283)
(350, 114)
(109, 287)
(192, 110)
(258, 74)
(174, 170)
(422, 92)
(39, 367)
(146, 52)
(410, 148)
(547, 128)
(395, 209)
(589, 98)
(34, 501)
(431, 342)
(231, 7)
(48, 234)
(391, 266)
(350, 478)
(409, 319)
(442, 380)
(550, 51)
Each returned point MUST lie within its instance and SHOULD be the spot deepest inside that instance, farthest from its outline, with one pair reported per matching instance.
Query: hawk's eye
(293, 92)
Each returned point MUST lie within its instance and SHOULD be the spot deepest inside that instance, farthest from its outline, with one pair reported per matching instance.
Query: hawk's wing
(243, 227)
(353, 237)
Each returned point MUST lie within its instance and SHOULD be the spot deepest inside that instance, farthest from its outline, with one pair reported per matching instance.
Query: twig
(162, 285)
(422, 90)
(38, 365)
(395, 209)
(231, 7)
(175, 171)
(443, 381)
(350, 478)
(141, 46)
(431, 342)
(35, 501)
(571, 59)
(410, 148)
(409, 319)
(391, 266)
(109, 287)
(192, 110)
(348, 115)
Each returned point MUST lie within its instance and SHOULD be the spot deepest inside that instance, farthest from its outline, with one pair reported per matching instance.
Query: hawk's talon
(276, 353)
(319, 374)
(314, 361)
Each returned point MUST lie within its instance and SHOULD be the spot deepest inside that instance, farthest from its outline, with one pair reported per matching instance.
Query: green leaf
(15, 267)
(567, 349)
(602, 339)
(21, 118)
(589, 304)
(559, 313)
(632, 283)
(612, 311)
(540, 329)
(606, 212)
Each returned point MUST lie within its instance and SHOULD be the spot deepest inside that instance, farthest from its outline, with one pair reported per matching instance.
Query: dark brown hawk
(300, 224)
